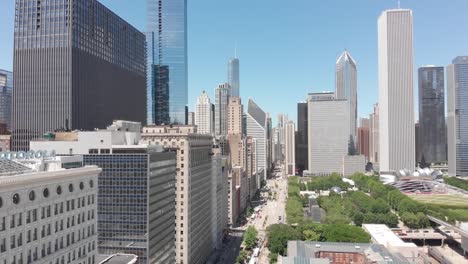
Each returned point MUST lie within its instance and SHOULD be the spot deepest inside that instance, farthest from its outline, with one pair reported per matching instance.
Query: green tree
(250, 237)
(278, 237)
(309, 235)
(273, 257)
(242, 257)
(345, 233)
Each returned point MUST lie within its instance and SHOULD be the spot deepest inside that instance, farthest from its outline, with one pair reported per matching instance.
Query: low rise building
(353, 164)
(47, 214)
(136, 203)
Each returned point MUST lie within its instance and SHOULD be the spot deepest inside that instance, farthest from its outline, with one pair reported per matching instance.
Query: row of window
(16, 199)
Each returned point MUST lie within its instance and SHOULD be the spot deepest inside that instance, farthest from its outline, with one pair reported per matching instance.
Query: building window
(46, 192)
(32, 195)
(91, 184)
(81, 185)
(59, 190)
(16, 198)
(93, 151)
(70, 187)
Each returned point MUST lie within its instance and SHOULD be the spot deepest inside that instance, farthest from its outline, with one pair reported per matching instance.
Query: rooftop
(382, 235)
(117, 259)
(9, 167)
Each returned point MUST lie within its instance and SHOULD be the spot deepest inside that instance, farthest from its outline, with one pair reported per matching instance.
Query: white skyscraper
(328, 133)
(256, 129)
(397, 133)
(346, 87)
(204, 115)
(290, 147)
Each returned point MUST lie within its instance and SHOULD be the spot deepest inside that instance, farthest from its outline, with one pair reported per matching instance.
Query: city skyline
(309, 66)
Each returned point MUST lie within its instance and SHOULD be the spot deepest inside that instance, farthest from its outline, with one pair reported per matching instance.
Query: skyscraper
(203, 115)
(328, 132)
(6, 90)
(396, 100)
(374, 135)
(302, 160)
(233, 76)
(195, 198)
(167, 82)
(432, 131)
(77, 66)
(256, 129)
(457, 108)
(346, 87)
(235, 112)
(290, 147)
(222, 93)
(363, 137)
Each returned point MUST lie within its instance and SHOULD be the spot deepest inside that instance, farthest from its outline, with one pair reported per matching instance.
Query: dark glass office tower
(167, 47)
(432, 132)
(302, 159)
(77, 65)
(6, 90)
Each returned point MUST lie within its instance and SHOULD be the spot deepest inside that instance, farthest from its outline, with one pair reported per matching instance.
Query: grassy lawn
(441, 199)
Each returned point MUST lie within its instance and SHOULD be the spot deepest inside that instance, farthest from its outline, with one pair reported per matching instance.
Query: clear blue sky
(289, 48)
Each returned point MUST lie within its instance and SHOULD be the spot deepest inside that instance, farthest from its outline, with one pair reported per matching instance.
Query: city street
(270, 211)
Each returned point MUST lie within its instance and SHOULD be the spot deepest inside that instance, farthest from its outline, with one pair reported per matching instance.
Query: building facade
(235, 112)
(203, 115)
(432, 129)
(233, 76)
(49, 217)
(222, 93)
(364, 137)
(68, 60)
(346, 87)
(6, 90)
(290, 147)
(457, 107)
(136, 202)
(256, 129)
(328, 132)
(374, 135)
(167, 81)
(191, 118)
(302, 153)
(396, 99)
(194, 238)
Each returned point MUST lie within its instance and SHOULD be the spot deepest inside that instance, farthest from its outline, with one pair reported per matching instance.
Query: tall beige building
(235, 111)
(374, 135)
(204, 115)
(290, 147)
(194, 190)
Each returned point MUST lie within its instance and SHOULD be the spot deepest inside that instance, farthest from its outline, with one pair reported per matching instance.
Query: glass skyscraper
(457, 108)
(233, 77)
(77, 65)
(167, 84)
(432, 131)
(6, 88)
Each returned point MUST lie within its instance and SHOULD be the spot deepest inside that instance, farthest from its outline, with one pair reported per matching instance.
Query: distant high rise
(203, 115)
(233, 76)
(396, 100)
(432, 132)
(191, 118)
(167, 82)
(374, 135)
(290, 147)
(346, 87)
(256, 129)
(457, 108)
(6, 90)
(222, 93)
(302, 159)
(235, 112)
(77, 65)
(363, 137)
(328, 132)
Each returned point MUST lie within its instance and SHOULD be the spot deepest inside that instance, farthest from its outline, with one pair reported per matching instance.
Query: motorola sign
(22, 155)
